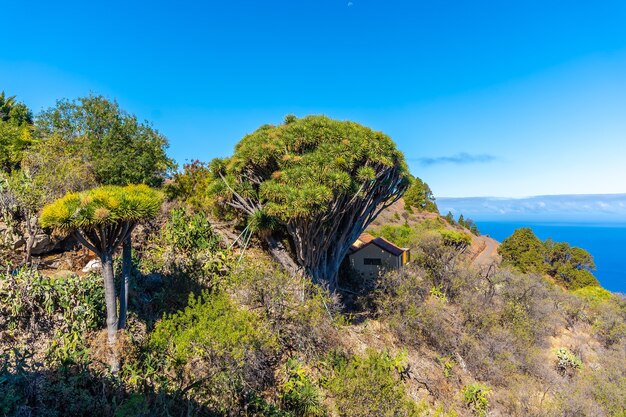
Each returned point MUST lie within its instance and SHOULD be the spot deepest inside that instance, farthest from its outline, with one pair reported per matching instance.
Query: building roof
(365, 239)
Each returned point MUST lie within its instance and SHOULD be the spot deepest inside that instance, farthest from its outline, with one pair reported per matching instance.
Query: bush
(475, 397)
(217, 352)
(594, 295)
(301, 314)
(299, 394)
(370, 386)
(64, 304)
(567, 362)
(188, 245)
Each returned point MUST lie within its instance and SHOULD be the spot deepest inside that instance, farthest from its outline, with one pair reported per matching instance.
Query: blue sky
(485, 98)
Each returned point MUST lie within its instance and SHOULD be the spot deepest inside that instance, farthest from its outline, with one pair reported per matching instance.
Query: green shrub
(302, 315)
(567, 362)
(476, 398)
(188, 245)
(594, 295)
(64, 304)
(370, 386)
(190, 232)
(217, 351)
(299, 394)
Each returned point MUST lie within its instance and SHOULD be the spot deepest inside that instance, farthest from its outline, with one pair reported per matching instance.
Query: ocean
(605, 241)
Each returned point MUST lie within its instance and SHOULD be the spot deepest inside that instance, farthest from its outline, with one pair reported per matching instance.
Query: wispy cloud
(462, 158)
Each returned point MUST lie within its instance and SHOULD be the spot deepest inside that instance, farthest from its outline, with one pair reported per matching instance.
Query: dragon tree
(315, 181)
(101, 219)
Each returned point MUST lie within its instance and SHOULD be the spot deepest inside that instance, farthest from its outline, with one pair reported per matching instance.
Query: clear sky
(485, 98)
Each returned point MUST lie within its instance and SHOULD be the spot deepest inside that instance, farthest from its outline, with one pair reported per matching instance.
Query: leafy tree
(524, 251)
(320, 181)
(111, 146)
(101, 219)
(571, 266)
(120, 149)
(57, 168)
(419, 195)
(15, 132)
(450, 218)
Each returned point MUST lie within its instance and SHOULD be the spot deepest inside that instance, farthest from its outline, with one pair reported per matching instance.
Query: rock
(18, 243)
(92, 266)
(43, 244)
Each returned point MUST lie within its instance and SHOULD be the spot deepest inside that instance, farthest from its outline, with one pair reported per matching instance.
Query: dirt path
(489, 253)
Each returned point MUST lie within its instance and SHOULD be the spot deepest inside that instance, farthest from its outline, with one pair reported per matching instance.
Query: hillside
(497, 343)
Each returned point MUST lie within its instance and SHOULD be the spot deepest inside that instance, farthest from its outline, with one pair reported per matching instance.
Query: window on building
(372, 261)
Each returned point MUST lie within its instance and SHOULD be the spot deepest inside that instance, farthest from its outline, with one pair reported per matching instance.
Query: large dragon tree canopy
(103, 214)
(322, 180)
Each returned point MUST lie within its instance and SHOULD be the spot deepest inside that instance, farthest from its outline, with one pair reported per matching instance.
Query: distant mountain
(560, 208)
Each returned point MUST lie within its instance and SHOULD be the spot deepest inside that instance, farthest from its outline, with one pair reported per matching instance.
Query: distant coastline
(593, 209)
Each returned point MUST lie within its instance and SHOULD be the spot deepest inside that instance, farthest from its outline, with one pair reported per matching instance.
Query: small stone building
(369, 256)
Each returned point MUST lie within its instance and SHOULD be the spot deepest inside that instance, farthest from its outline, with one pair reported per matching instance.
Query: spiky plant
(318, 181)
(101, 219)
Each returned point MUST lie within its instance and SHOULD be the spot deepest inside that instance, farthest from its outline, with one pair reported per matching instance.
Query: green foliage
(310, 162)
(58, 168)
(67, 304)
(190, 232)
(568, 265)
(420, 196)
(99, 206)
(309, 175)
(567, 362)
(192, 186)
(466, 223)
(370, 386)
(305, 317)
(210, 326)
(476, 397)
(186, 246)
(218, 350)
(15, 132)
(402, 235)
(610, 322)
(455, 239)
(524, 251)
(120, 149)
(594, 295)
(299, 394)
(61, 308)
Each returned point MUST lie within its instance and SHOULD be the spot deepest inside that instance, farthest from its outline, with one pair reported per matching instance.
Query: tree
(15, 132)
(115, 149)
(101, 219)
(450, 219)
(319, 181)
(569, 265)
(420, 196)
(120, 149)
(524, 251)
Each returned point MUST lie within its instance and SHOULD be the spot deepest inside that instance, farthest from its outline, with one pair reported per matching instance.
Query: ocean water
(606, 242)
